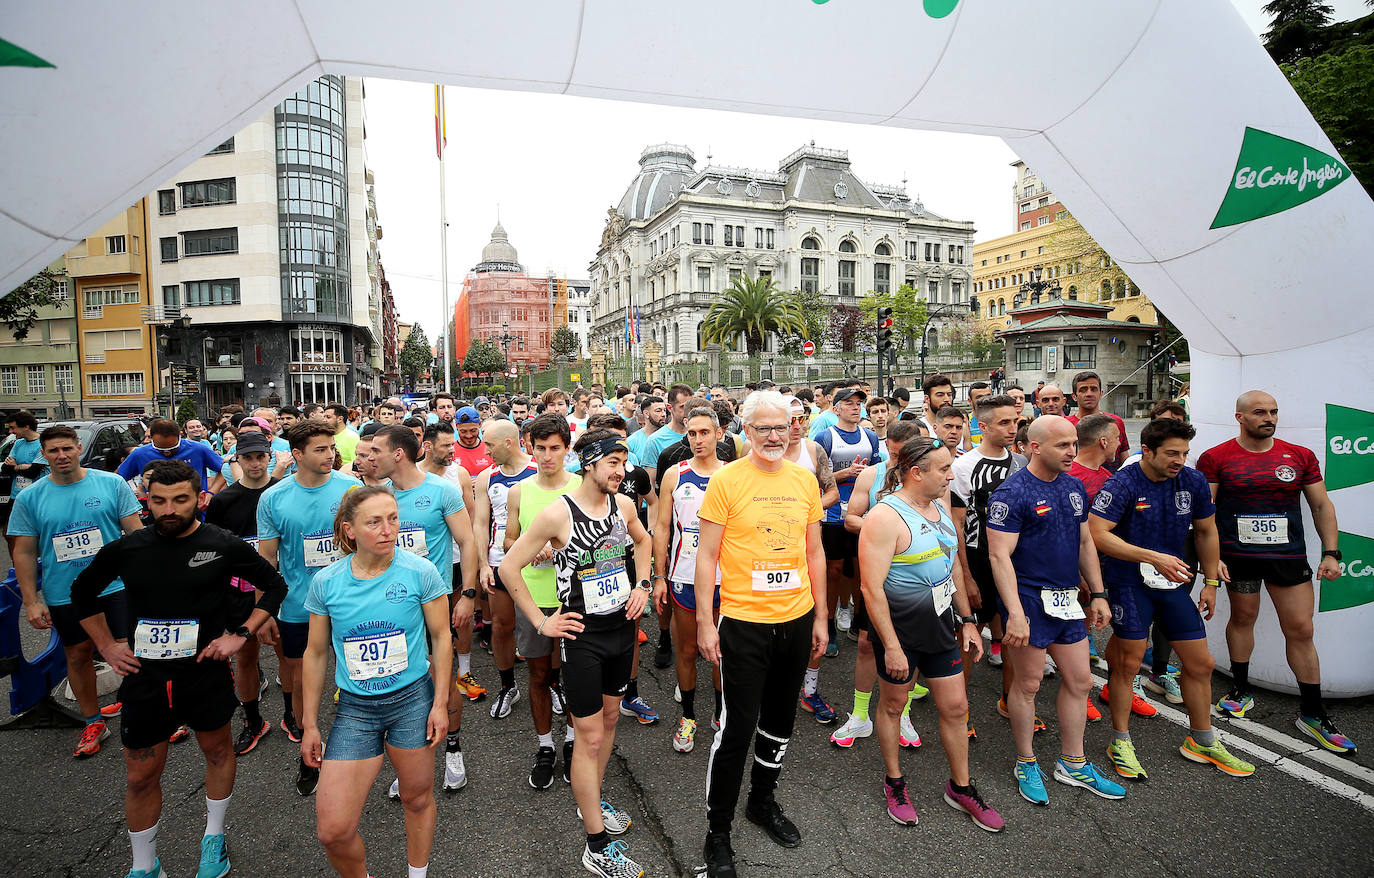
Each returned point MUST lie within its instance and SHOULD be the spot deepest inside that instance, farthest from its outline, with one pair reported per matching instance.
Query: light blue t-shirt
(302, 521)
(71, 523)
(656, 444)
(370, 618)
(25, 452)
(423, 509)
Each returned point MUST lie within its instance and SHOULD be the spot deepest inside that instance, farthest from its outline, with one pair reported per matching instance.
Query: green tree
(19, 310)
(415, 358)
(564, 343)
(752, 307)
(1338, 89)
(1297, 29)
(815, 312)
(186, 410)
(483, 358)
(909, 313)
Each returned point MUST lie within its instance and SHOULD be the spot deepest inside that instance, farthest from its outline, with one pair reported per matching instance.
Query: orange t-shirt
(763, 575)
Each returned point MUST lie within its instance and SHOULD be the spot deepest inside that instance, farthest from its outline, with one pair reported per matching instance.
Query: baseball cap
(845, 393)
(253, 442)
(467, 415)
(481, 400)
(795, 407)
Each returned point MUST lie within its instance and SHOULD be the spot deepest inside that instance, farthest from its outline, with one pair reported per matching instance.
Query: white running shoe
(677, 694)
(853, 728)
(455, 771)
(616, 821)
(1050, 668)
(844, 618)
(395, 791)
(907, 735)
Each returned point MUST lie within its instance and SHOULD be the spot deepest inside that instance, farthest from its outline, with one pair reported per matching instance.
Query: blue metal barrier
(31, 682)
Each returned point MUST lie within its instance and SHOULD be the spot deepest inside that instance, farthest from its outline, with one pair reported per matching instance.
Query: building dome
(663, 169)
(499, 254)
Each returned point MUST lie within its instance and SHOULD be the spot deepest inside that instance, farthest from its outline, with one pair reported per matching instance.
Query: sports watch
(469, 592)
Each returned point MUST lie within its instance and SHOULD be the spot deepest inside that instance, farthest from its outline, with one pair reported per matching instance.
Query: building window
(708, 234)
(703, 279)
(1028, 359)
(171, 298)
(810, 274)
(674, 237)
(309, 244)
(62, 375)
(225, 147)
(1073, 292)
(166, 202)
(932, 252)
(169, 249)
(882, 277)
(847, 246)
(810, 244)
(38, 380)
(96, 300)
(1027, 206)
(735, 275)
(115, 244)
(113, 383)
(1025, 225)
(758, 238)
(317, 388)
(912, 250)
(933, 291)
(1134, 290)
(223, 352)
(206, 192)
(212, 292)
(208, 242)
(312, 347)
(729, 236)
(1080, 356)
(956, 291)
(696, 233)
(739, 236)
(1043, 221)
(9, 380)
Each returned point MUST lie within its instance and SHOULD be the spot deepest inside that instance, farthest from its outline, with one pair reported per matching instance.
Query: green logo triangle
(1355, 586)
(1349, 447)
(13, 56)
(1274, 174)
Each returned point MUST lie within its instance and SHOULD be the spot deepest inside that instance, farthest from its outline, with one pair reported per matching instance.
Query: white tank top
(804, 457)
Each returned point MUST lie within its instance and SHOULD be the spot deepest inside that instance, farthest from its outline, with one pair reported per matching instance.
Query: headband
(593, 452)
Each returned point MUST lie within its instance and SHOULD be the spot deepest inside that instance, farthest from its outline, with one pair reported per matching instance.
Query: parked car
(100, 437)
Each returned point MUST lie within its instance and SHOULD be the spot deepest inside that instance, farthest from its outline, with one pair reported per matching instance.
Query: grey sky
(554, 164)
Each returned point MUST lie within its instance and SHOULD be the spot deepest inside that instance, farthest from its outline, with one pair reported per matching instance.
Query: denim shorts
(363, 723)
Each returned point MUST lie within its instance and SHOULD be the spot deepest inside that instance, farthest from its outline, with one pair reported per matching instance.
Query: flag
(636, 324)
(440, 122)
(629, 337)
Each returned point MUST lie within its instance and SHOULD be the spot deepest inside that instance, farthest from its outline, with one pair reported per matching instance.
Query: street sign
(808, 348)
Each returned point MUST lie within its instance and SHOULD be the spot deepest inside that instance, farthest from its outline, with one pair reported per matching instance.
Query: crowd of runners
(372, 549)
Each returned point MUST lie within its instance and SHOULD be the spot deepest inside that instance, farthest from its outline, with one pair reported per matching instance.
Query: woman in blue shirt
(372, 609)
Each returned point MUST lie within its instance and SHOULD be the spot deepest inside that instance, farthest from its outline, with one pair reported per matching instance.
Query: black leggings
(761, 669)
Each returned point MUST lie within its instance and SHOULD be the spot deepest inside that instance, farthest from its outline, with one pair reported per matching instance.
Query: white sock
(464, 666)
(570, 736)
(546, 739)
(215, 809)
(144, 843)
(418, 871)
(813, 677)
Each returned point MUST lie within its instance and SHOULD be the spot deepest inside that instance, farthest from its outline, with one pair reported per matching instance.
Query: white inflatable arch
(1163, 125)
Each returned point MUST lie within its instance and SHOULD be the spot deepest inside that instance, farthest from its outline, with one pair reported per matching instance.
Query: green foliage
(815, 312)
(564, 342)
(19, 310)
(483, 358)
(909, 312)
(415, 358)
(1338, 89)
(1297, 29)
(186, 410)
(752, 307)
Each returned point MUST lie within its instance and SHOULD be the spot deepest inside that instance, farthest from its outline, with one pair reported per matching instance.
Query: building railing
(160, 313)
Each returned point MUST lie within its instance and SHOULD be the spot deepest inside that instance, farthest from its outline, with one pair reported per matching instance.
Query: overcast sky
(553, 164)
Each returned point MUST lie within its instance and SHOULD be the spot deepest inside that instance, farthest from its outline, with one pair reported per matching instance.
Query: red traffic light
(885, 323)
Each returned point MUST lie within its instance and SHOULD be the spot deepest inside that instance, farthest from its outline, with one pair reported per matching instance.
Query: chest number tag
(73, 545)
(412, 539)
(1061, 603)
(605, 592)
(321, 550)
(943, 594)
(166, 638)
(773, 576)
(1262, 530)
(369, 656)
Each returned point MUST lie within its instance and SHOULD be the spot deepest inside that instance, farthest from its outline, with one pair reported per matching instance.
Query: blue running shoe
(155, 872)
(814, 703)
(1325, 732)
(1089, 778)
(1235, 704)
(641, 711)
(214, 857)
(1030, 780)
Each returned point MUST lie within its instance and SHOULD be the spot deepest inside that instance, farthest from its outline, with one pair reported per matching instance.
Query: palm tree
(752, 307)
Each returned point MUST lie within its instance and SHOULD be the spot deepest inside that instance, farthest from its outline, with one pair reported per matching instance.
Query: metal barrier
(31, 682)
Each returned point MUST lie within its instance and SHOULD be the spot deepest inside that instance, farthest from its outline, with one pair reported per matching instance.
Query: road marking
(1303, 748)
(1285, 764)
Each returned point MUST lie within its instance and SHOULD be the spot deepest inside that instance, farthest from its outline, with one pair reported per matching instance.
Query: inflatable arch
(1163, 125)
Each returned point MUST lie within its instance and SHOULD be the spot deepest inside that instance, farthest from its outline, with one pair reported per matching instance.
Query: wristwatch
(1094, 595)
(242, 631)
(469, 592)
(968, 620)
(644, 584)
(1332, 553)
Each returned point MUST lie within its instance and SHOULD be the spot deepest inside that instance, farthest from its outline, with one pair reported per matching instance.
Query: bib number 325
(1061, 603)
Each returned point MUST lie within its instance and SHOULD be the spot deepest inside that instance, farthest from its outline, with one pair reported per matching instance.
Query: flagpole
(440, 141)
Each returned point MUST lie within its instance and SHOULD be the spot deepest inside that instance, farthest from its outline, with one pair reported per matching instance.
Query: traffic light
(884, 331)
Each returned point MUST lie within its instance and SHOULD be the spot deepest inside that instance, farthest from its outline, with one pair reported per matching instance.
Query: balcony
(160, 313)
(95, 358)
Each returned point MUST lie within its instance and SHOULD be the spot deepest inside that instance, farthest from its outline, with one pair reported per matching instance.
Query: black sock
(455, 744)
(689, 708)
(598, 842)
(507, 678)
(287, 714)
(1311, 697)
(554, 674)
(963, 791)
(1159, 663)
(895, 781)
(632, 689)
(486, 630)
(720, 703)
(830, 627)
(251, 714)
(1240, 673)
(665, 638)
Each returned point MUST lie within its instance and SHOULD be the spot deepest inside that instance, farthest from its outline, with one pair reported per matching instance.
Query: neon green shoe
(1216, 755)
(1122, 756)
(918, 692)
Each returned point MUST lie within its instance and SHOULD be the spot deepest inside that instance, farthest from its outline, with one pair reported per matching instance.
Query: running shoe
(110, 711)
(1030, 782)
(455, 770)
(249, 737)
(1094, 715)
(641, 636)
(832, 648)
(558, 698)
(686, 737)
(505, 699)
(91, 736)
(181, 734)
(611, 862)
(155, 872)
(972, 804)
(1089, 778)
(719, 855)
(1051, 669)
(468, 685)
(1094, 659)
(541, 775)
(1123, 759)
(918, 691)
(972, 732)
(484, 641)
(899, 806)
(767, 814)
(1002, 710)
(394, 792)
(637, 708)
(906, 733)
(1235, 703)
(995, 654)
(1164, 684)
(307, 779)
(1325, 733)
(292, 729)
(663, 653)
(715, 723)
(677, 693)
(814, 703)
(1218, 756)
(615, 820)
(1139, 706)
(214, 857)
(567, 761)
(844, 618)
(852, 729)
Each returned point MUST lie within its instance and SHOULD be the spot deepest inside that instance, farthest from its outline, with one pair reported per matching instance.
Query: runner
(1258, 483)
(1050, 401)
(378, 613)
(165, 442)
(63, 521)
(470, 453)
(364, 461)
(24, 465)
(676, 532)
(235, 509)
(1039, 547)
(912, 602)
(647, 456)
(595, 620)
(950, 427)
(939, 393)
(1140, 521)
(976, 391)
(1098, 437)
(296, 535)
(760, 524)
(1087, 389)
(187, 616)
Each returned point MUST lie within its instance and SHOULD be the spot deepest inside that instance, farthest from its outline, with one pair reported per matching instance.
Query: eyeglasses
(776, 430)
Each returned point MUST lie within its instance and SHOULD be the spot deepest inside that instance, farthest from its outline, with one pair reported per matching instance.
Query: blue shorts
(684, 594)
(1045, 629)
(294, 636)
(1134, 607)
(363, 723)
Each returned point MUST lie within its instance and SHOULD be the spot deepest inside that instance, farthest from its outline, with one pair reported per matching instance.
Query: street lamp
(942, 311)
(1035, 287)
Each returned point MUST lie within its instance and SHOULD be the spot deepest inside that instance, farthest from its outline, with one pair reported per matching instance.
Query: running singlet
(424, 530)
(976, 476)
(682, 540)
(539, 577)
(1151, 515)
(1259, 497)
(70, 524)
(498, 489)
(592, 579)
(763, 569)
(377, 625)
(1048, 516)
(1092, 479)
(920, 584)
(844, 448)
(879, 476)
(474, 460)
(301, 520)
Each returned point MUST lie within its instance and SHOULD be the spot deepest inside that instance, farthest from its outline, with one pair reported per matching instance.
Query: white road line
(1303, 748)
(1261, 754)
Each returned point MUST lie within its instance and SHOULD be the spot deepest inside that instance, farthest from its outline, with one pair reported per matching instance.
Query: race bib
(369, 656)
(1262, 530)
(774, 576)
(19, 484)
(687, 548)
(1061, 603)
(321, 550)
(943, 594)
(844, 509)
(1154, 579)
(74, 544)
(605, 592)
(412, 539)
(166, 638)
